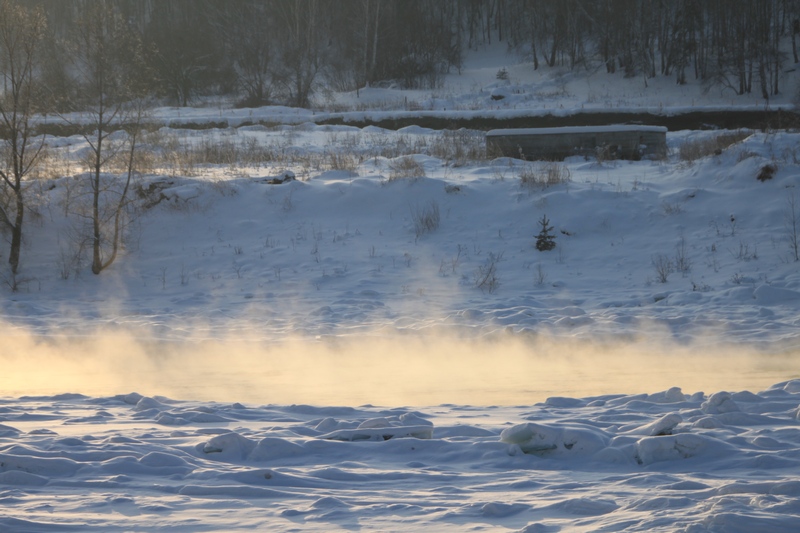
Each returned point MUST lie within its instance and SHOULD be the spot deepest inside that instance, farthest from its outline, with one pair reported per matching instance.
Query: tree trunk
(97, 261)
(375, 41)
(762, 78)
(16, 233)
(21, 31)
(123, 200)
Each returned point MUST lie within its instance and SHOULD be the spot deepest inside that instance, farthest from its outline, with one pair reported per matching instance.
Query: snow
(273, 467)
(279, 347)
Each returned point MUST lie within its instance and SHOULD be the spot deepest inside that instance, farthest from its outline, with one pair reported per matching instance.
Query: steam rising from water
(396, 369)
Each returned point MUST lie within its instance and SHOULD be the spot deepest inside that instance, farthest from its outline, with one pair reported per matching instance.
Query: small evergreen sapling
(545, 240)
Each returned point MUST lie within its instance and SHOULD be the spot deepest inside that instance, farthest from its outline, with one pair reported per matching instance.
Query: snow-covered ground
(666, 461)
(311, 356)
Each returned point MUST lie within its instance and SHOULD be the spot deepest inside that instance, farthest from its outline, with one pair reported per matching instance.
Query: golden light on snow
(413, 369)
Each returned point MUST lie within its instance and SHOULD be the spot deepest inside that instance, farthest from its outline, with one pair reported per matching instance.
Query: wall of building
(607, 142)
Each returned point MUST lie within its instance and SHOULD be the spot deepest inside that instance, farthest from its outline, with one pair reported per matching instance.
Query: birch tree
(21, 34)
(112, 77)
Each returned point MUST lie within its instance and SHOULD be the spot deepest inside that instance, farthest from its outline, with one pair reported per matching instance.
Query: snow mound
(380, 433)
(650, 450)
(540, 439)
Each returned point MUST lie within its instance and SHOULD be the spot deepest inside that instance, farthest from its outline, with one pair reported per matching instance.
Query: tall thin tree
(21, 34)
(113, 79)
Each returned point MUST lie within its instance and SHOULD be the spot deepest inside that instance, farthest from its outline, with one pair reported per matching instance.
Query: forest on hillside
(287, 51)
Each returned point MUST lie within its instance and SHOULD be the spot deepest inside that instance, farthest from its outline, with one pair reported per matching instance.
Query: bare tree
(113, 78)
(369, 68)
(304, 48)
(186, 56)
(20, 36)
(247, 29)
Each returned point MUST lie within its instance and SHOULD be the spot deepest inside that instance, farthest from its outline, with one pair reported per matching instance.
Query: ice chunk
(719, 402)
(270, 448)
(560, 401)
(229, 446)
(541, 439)
(746, 396)
(672, 395)
(327, 424)
(374, 423)
(378, 434)
(412, 419)
(707, 422)
(662, 426)
(131, 398)
(146, 403)
(681, 446)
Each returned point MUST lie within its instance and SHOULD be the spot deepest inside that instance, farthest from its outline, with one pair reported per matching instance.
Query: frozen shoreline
(666, 461)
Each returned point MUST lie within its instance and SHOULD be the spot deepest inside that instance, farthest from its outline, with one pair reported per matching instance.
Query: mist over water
(396, 369)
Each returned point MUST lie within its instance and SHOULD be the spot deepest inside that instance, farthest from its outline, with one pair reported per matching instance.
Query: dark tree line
(282, 51)
(739, 44)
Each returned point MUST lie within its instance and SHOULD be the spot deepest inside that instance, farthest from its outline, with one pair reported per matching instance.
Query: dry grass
(180, 152)
(542, 176)
(342, 161)
(458, 147)
(405, 167)
(426, 218)
(693, 150)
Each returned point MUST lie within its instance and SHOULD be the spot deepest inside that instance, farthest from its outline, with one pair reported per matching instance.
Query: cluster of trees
(265, 51)
(739, 44)
(108, 58)
(106, 79)
(273, 51)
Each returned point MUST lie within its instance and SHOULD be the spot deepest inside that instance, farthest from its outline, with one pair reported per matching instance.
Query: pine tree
(545, 240)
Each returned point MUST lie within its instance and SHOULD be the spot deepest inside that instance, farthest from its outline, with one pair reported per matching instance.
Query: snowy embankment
(679, 270)
(649, 462)
(695, 251)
